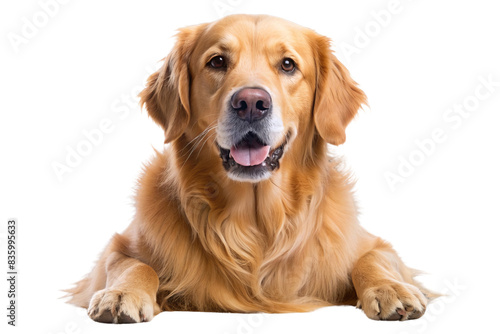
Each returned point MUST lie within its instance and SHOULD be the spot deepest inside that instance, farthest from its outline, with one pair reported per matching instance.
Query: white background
(88, 57)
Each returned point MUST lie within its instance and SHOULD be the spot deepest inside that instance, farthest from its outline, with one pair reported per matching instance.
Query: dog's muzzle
(251, 136)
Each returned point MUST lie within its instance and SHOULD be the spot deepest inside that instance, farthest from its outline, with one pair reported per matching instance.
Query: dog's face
(257, 87)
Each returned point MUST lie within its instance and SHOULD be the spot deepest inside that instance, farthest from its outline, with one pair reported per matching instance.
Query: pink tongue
(250, 156)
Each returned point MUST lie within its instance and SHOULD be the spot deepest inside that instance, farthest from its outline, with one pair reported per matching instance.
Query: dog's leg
(385, 286)
(120, 288)
(130, 292)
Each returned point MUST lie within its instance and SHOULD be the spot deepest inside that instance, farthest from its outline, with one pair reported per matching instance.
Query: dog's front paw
(393, 301)
(121, 306)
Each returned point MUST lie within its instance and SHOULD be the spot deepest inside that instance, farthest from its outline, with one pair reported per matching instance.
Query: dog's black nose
(251, 104)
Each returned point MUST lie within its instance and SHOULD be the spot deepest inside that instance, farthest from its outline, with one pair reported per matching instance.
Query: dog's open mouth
(251, 156)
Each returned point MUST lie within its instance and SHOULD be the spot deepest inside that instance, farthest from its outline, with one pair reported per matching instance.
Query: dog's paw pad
(119, 307)
(393, 301)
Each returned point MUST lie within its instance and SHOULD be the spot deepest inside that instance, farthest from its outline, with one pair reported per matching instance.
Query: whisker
(199, 137)
(206, 140)
(195, 145)
(206, 130)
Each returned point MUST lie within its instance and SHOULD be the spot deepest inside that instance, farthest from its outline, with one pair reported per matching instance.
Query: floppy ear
(337, 98)
(166, 95)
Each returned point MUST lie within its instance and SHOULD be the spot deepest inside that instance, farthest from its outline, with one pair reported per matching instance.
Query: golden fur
(290, 243)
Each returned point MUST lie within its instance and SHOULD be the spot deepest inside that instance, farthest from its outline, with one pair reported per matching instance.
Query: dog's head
(256, 89)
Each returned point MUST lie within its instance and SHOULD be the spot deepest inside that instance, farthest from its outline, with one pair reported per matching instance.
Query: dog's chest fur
(255, 243)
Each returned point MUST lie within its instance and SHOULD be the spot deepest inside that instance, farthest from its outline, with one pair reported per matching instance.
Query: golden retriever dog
(245, 211)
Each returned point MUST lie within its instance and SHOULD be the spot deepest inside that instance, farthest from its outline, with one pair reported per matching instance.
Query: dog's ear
(166, 95)
(337, 98)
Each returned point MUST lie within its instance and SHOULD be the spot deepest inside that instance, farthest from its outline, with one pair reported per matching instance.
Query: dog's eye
(218, 62)
(288, 65)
